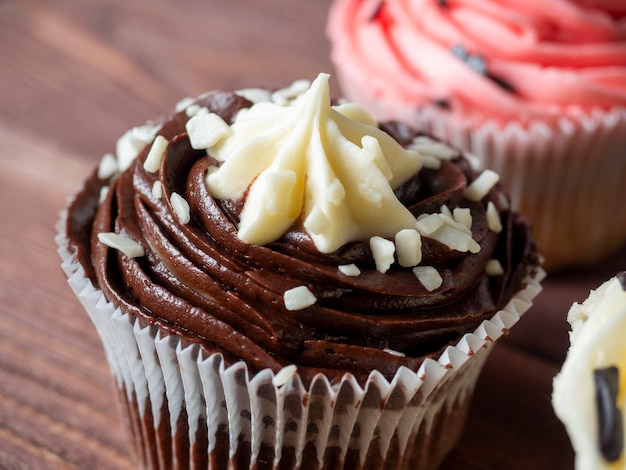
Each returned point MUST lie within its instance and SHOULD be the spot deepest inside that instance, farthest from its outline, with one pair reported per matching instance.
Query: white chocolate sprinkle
(479, 188)
(456, 239)
(503, 202)
(428, 276)
(122, 243)
(132, 142)
(409, 247)
(181, 207)
(103, 194)
(157, 189)
(284, 96)
(393, 352)
(427, 146)
(493, 218)
(184, 103)
(108, 166)
(256, 95)
(155, 155)
(336, 192)
(474, 161)
(298, 298)
(206, 130)
(462, 215)
(316, 222)
(284, 375)
(196, 110)
(445, 210)
(372, 151)
(430, 162)
(383, 251)
(428, 223)
(494, 268)
(349, 270)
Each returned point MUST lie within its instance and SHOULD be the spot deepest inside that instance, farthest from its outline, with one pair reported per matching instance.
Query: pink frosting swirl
(495, 60)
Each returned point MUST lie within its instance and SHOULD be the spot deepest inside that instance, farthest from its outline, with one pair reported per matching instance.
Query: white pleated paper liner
(567, 178)
(187, 409)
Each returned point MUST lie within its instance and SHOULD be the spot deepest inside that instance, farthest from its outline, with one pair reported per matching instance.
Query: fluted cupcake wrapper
(187, 408)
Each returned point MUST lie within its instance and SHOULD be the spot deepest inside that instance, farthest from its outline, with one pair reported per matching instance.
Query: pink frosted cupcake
(537, 92)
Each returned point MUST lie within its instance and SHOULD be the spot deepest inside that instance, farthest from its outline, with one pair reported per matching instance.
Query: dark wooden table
(73, 77)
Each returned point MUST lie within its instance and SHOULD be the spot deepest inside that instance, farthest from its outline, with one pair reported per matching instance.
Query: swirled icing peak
(308, 159)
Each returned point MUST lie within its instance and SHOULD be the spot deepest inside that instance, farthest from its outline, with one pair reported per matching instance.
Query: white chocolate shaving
(430, 162)
(382, 251)
(349, 270)
(298, 298)
(393, 352)
(184, 103)
(445, 210)
(284, 375)
(446, 230)
(284, 96)
(493, 218)
(463, 216)
(108, 166)
(481, 186)
(206, 130)
(494, 268)
(434, 148)
(256, 95)
(155, 155)
(372, 151)
(428, 276)
(157, 190)
(408, 247)
(428, 223)
(122, 243)
(181, 208)
(132, 142)
(103, 194)
(196, 110)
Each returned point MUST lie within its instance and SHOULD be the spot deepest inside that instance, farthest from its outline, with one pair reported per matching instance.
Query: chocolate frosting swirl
(202, 282)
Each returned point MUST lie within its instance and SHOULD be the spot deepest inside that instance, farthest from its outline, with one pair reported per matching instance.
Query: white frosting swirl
(327, 164)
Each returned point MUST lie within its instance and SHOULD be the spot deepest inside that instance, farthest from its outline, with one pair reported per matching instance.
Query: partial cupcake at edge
(589, 394)
(536, 90)
(280, 281)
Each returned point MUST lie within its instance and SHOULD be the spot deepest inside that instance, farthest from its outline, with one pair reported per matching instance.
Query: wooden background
(73, 76)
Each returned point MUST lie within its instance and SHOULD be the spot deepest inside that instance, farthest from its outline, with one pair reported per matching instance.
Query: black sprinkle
(610, 420)
(443, 104)
(501, 83)
(442, 3)
(621, 277)
(377, 12)
(477, 64)
(459, 51)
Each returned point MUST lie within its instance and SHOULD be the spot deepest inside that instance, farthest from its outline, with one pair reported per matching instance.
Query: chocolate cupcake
(282, 282)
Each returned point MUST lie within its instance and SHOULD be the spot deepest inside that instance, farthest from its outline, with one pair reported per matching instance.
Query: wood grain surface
(73, 77)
